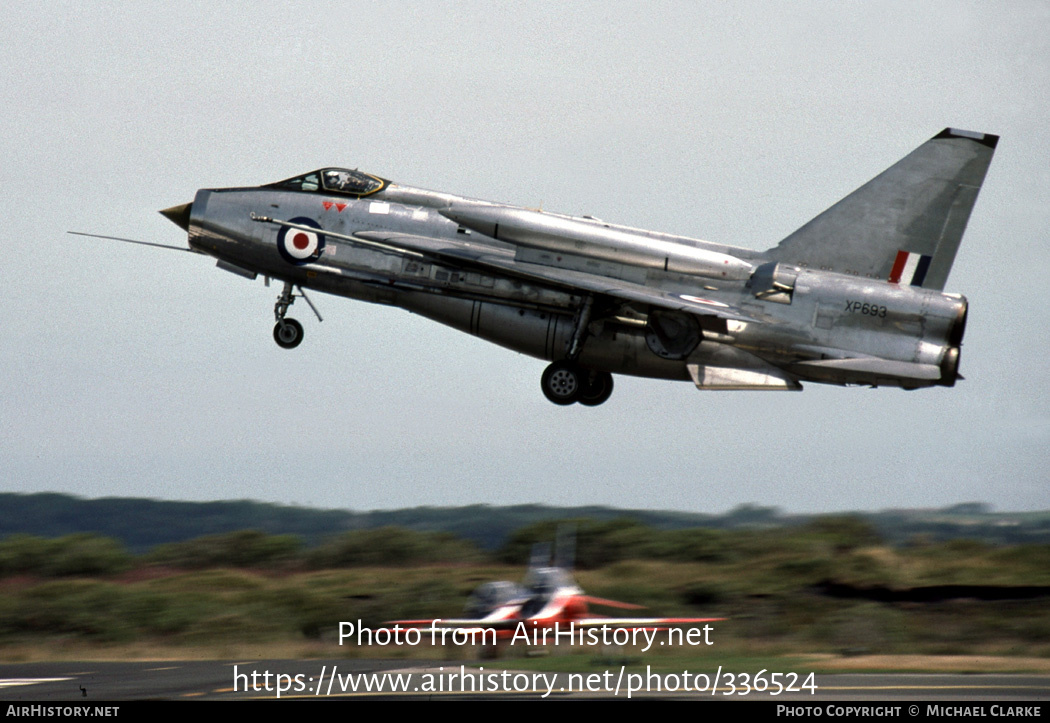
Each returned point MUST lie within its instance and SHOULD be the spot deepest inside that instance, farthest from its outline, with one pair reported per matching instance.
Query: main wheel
(561, 382)
(288, 333)
(597, 387)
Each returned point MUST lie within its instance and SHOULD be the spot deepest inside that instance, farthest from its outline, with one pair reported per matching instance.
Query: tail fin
(541, 555)
(904, 225)
(565, 547)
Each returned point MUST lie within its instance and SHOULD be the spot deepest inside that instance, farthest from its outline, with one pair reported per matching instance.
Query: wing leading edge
(506, 262)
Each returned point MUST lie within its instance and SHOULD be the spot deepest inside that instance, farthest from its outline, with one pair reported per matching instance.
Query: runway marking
(13, 682)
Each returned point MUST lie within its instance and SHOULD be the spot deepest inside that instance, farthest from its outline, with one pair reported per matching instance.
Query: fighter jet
(548, 598)
(854, 297)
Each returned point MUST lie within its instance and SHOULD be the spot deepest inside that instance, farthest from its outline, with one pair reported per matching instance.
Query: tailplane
(905, 225)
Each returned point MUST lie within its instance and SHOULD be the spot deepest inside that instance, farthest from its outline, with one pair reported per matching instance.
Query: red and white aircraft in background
(548, 598)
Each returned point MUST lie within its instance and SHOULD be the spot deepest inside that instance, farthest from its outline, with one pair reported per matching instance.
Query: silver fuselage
(810, 325)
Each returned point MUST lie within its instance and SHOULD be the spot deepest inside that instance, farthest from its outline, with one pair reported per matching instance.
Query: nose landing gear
(288, 333)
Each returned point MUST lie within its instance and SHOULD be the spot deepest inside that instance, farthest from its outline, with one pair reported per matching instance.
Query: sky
(136, 372)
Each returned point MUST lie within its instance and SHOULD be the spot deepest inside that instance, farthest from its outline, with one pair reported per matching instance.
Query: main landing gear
(288, 333)
(566, 382)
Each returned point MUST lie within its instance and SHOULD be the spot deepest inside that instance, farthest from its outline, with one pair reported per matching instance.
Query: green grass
(766, 585)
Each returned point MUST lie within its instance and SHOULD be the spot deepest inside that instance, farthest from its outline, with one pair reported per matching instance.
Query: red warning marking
(328, 205)
(340, 206)
(301, 241)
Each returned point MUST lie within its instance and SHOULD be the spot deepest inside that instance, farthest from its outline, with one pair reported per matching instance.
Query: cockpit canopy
(545, 580)
(335, 180)
(492, 595)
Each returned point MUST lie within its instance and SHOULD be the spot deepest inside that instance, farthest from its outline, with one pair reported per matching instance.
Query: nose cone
(179, 215)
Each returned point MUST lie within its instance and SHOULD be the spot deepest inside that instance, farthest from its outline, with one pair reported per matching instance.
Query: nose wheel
(288, 333)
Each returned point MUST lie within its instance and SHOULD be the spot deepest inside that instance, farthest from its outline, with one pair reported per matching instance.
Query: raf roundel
(299, 246)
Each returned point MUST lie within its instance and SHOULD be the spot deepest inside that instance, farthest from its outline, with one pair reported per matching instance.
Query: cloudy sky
(130, 371)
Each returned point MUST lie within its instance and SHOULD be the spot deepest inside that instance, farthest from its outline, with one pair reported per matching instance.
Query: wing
(457, 624)
(486, 256)
(504, 261)
(643, 623)
(590, 599)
